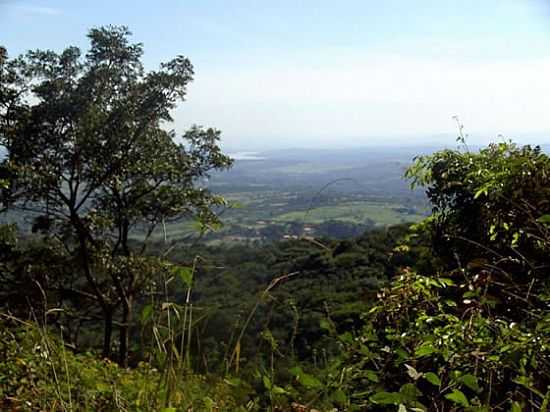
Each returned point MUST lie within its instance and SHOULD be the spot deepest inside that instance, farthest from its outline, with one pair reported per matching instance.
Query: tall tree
(88, 151)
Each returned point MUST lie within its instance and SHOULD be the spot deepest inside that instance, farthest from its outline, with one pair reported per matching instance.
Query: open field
(355, 212)
(290, 193)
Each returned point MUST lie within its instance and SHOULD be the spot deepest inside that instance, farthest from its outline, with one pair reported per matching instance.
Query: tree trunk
(125, 332)
(127, 300)
(106, 306)
(107, 333)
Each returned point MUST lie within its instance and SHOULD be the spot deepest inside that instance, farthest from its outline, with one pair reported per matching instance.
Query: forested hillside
(101, 313)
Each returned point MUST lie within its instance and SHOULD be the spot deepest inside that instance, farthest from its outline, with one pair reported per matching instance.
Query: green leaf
(471, 382)
(386, 398)
(401, 354)
(458, 397)
(325, 325)
(306, 380)
(168, 410)
(346, 337)
(267, 382)
(185, 274)
(277, 390)
(446, 282)
(209, 403)
(425, 350)
(409, 392)
(516, 407)
(309, 381)
(515, 238)
(103, 387)
(546, 401)
(432, 378)
(482, 191)
(233, 381)
(296, 371)
(339, 396)
(371, 375)
(146, 313)
(545, 219)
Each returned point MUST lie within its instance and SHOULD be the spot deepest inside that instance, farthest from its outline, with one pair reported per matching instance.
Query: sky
(290, 73)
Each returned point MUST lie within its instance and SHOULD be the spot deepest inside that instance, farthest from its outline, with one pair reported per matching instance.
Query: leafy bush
(464, 325)
(437, 342)
(475, 333)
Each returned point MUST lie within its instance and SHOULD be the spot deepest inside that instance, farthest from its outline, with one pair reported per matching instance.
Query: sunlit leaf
(277, 390)
(471, 382)
(516, 407)
(267, 382)
(185, 274)
(386, 398)
(425, 350)
(432, 378)
(458, 397)
(146, 313)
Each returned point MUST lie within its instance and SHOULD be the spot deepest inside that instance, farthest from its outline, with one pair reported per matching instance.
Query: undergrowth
(43, 375)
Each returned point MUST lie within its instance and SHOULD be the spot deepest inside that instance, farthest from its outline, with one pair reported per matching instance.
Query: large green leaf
(386, 398)
(339, 396)
(277, 390)
(516, 407)
(471, 382)
(409, 392)
(458, 397)
(432, 378)
(425, 350)
(306, 380)
(267, 382)
(146, 313)
(185, 273)
(371, 375)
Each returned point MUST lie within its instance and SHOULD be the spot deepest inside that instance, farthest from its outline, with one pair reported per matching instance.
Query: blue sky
(330, 73)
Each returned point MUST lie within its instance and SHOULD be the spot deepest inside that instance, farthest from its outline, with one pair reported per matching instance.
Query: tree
(491, 219)
(469, 328)
(488, 204)
(88, 154)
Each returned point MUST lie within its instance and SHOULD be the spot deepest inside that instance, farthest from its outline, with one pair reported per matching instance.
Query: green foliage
(473, 333)
(489, 203)
(449, 314)
(468, 354)
(44, 375)
(89, 155)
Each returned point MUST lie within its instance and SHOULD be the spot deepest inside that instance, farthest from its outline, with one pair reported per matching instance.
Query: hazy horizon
(321, 74)
(391, 142)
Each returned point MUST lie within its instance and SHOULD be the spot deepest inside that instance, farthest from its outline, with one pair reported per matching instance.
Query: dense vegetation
(87, 153)
(452, 313)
